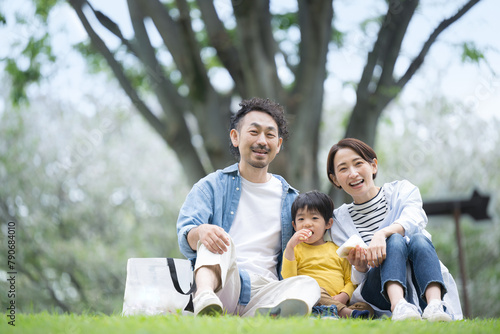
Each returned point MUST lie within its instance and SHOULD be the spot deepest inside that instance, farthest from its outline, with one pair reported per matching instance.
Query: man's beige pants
(265, 292)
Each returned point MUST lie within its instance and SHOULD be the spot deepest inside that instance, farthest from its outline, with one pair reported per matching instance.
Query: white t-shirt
(256, 230)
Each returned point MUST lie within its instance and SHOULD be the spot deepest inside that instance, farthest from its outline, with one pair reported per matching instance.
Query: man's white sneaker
(435, 311)
(287, 308)
(405, 311)
(207, 303)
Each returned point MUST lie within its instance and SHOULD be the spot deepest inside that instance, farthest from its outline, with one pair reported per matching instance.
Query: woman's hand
(357, 258)
(376, 253)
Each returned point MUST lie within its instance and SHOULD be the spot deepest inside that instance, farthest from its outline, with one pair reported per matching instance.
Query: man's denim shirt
(214, 200)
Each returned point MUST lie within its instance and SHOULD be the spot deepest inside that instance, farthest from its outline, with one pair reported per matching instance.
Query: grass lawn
(90, 324)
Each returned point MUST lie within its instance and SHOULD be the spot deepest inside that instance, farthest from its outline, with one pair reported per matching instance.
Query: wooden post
(457, 213)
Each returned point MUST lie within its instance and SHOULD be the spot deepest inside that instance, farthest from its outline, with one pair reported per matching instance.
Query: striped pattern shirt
(368, 216)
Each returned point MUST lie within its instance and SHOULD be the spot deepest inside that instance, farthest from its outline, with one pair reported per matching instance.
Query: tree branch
(112, 27)
(306, 100)
(182, 45)
(397, 20)
(205, 103)
(419, 59)
(315, 20)
(221, 41)
(115, 67)
(177, 133)
(256, 49)
(172, 103)
(386, 49)
(198, 79)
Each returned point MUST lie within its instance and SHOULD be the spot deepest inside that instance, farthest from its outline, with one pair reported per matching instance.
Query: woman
(400, 271)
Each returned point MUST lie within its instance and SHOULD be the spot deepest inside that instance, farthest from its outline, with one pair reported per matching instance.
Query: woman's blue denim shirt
(214, 200)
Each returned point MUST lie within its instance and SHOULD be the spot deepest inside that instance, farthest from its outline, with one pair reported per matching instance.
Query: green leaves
(471, 54)
(26, 68)
(94, 59)
(284, 21)
(43, 8)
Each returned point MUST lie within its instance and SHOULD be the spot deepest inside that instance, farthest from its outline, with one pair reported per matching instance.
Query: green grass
(90, 324)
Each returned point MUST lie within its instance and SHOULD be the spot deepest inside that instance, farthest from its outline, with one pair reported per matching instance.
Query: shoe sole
(440, 317)
(410, 317)
(287, 308)
(211, 310)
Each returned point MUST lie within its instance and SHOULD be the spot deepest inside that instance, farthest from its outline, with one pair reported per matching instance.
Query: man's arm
(213, 237)
(196, 211)
(408, 208)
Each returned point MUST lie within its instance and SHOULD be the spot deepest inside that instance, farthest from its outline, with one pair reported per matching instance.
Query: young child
(307, 253)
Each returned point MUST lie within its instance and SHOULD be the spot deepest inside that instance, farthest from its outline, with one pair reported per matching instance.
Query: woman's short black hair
(358, 146)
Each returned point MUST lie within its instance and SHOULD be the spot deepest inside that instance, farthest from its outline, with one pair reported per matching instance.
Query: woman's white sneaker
(435, 311)
(405, 311)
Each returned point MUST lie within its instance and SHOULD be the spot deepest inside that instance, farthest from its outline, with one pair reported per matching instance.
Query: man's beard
(260, 163)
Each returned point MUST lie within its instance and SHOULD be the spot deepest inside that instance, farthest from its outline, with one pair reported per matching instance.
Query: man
(236, 223)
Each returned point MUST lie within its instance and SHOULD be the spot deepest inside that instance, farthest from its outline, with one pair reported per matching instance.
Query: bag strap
(175, 281)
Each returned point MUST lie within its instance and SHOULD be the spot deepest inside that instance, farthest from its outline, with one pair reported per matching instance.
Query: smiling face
(354, 175)
(258, 141)
(312, 220)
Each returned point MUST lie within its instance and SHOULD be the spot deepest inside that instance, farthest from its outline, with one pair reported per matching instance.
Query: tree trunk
(306, 101)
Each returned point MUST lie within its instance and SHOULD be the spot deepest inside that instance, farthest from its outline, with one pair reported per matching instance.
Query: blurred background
(91, 180)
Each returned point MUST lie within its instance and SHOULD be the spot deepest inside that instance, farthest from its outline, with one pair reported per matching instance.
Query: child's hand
(342, 298)
(304, 234)
(297, 238)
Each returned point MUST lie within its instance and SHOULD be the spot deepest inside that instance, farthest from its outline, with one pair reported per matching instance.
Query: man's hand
(213, 237)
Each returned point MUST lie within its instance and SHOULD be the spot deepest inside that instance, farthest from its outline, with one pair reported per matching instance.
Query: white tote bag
(156, 286)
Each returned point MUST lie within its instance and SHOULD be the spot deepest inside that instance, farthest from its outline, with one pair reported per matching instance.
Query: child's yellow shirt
(322, 263)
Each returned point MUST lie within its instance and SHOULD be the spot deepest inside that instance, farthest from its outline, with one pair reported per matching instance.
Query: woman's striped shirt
(368, 216)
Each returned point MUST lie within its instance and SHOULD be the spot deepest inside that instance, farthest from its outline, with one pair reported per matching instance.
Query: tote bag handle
(175, 282)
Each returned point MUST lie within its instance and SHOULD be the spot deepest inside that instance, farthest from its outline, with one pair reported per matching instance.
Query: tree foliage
(252, 46)
(83, 203)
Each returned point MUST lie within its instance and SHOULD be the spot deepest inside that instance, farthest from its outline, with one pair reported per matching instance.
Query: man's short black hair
(275, 110)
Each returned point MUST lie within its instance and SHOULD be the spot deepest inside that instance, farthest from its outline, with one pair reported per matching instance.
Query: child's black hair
(314, 201)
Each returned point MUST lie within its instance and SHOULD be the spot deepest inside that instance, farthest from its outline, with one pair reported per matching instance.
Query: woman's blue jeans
(424, 263)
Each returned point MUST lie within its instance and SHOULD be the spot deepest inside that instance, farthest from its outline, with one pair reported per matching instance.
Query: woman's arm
(406, 207)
